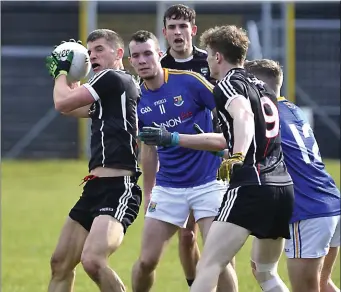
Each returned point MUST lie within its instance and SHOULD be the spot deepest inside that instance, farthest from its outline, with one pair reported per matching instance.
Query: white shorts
(173, 205)
(312, 238)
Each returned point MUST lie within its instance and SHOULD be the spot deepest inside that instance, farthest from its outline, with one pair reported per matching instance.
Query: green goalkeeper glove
(159, 136)
(56, 66)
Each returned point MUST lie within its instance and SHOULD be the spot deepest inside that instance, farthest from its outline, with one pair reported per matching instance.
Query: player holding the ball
(111, 198)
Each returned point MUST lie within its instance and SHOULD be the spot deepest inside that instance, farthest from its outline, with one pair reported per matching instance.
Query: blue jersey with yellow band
(184, 99)
(316, 194)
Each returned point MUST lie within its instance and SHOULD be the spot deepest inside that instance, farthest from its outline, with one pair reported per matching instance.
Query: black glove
(158, 135)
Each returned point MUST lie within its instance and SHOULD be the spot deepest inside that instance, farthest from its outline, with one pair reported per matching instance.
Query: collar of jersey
(165, 75)
(281, 98)
(194, 53)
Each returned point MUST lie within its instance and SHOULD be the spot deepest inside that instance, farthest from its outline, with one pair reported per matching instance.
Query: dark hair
(267, 70)
(179, 11)
(110, 36)
(230, 41)
(142, 36)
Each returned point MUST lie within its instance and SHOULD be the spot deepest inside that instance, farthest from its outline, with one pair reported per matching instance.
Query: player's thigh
(205, 200)
(168, 205)
(267, 251)
(223, 241)
(311, 238)
(69, 248)
(105, 236)
(189, 233)
(204, 226)
(155, 237)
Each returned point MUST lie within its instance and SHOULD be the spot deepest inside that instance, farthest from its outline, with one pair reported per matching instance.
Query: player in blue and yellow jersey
(315, 224)
(186, 179)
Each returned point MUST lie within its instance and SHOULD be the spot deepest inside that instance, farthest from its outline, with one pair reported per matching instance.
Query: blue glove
(159, 136)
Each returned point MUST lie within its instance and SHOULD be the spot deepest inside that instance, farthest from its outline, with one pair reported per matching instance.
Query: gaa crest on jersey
(204, 70)
(178, 101)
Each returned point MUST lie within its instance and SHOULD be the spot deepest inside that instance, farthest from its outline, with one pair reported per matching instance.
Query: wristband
(175, 139)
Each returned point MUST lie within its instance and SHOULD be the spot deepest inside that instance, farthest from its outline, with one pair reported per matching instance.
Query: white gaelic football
(80, 66)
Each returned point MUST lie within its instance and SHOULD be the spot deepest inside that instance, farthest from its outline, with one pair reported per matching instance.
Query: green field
(36, 198)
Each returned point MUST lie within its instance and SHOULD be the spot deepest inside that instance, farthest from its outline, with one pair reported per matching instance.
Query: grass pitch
(36, 198)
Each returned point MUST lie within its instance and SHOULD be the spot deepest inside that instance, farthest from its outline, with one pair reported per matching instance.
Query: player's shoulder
(199, 53)
(232, 83)
(188, 77)
(108, 74)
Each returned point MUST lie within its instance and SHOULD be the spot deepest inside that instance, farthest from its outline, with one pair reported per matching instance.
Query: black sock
(189, 282)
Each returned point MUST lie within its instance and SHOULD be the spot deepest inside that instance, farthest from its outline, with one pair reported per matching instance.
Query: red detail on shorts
(87, 178)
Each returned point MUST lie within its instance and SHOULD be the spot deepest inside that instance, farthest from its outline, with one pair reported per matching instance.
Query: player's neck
(156, 82)
(182, 55)
(226, 67)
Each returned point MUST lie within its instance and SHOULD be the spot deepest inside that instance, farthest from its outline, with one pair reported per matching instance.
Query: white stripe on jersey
(200, 50)
(254, 159)
(95, 78)
(102, 141)
(226, 86)
(124, 116)
(92, 91)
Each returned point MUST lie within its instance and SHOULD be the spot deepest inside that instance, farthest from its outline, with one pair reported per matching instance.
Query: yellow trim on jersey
(281, 98)
(166, 74)
(198, 76)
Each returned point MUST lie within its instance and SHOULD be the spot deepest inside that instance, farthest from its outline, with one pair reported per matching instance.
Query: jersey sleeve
(204, 91)
(105, 84)
(227, 90)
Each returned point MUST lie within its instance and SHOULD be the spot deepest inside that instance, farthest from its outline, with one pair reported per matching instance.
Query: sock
(189, 282)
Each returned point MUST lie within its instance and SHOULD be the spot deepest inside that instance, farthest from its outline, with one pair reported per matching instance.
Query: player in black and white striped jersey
(111, 198)
(259, 200)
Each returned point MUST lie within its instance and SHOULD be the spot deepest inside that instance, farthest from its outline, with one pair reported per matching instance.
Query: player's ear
(219, 57)
(160, 53)
(164, 31)
(194, 30)
(119, 53)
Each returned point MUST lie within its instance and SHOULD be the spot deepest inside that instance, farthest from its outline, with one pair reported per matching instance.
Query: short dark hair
(110, 36)
(179, 11)
(142, 36)
(269, 71)
(232, 42)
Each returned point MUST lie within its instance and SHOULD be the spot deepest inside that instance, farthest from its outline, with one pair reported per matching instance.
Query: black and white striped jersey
(264, 160)
(197, 62)
(114, 120)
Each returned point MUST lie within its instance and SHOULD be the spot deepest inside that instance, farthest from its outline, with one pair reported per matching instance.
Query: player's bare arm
(82, 112)
(67, 99)
(149, 164)
(243, 124)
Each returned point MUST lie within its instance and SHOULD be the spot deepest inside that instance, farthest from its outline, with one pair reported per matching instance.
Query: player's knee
(92, 265)
(187, 238)
(267, 276)
(148, 264)
(59, 268)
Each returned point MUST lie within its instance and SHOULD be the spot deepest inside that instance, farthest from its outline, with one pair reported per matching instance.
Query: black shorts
(119, 197)
(264, 210)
